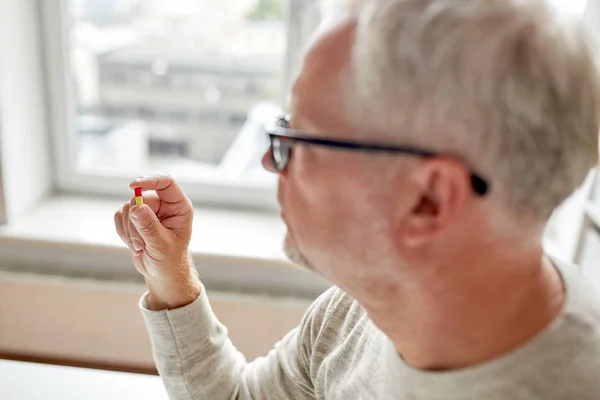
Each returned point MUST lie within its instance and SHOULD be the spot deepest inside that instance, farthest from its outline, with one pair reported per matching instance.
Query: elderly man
(429, 141)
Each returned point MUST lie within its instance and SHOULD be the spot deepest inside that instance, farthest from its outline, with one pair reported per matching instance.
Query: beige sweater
(337, 353)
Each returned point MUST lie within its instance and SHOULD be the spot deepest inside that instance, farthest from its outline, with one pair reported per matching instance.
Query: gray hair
(509, 85)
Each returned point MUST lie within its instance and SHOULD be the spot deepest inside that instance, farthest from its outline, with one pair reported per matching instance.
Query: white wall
(24, 149)
(99, 322)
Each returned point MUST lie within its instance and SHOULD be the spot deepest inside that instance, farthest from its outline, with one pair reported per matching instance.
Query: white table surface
(28, 381)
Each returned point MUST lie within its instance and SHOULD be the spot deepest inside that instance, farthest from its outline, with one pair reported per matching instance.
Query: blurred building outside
(172, 86)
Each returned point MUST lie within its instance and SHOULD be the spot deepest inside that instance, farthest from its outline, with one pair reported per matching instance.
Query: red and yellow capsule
(139, 200)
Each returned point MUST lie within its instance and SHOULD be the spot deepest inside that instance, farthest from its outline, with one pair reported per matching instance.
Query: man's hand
(158, 234)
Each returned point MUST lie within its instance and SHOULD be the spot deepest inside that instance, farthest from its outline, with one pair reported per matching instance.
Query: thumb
(147, 224)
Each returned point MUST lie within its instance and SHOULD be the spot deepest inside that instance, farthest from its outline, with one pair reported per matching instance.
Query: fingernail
(137, 246)
(136, 253)
(138, 213)
(144, 178)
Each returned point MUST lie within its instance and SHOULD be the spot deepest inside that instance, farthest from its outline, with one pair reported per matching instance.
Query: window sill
(74, 236)
(235, 251)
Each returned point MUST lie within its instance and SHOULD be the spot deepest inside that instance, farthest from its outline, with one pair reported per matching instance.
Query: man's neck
(470, 314)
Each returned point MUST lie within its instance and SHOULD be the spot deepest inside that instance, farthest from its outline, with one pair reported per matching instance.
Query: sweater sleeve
(196, 359)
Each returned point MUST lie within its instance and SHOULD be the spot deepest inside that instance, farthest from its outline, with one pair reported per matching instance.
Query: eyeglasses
(283, 139)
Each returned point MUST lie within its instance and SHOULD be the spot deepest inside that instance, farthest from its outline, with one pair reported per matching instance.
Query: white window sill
(235, 251)
(74, 236)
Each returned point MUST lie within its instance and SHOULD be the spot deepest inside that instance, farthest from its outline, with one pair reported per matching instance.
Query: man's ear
(444, 187)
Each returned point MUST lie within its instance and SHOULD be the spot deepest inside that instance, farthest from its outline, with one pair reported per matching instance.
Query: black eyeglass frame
(283, 138)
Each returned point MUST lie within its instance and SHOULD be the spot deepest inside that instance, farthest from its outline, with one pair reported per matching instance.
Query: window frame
(62, 107)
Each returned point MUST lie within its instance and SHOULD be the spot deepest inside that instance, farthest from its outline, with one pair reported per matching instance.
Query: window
(175, 84)
(211, 71)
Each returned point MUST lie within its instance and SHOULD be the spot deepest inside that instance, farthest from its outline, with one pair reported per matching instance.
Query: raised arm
(193, 353)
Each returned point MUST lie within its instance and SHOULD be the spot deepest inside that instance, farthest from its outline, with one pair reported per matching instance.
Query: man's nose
(267, 161)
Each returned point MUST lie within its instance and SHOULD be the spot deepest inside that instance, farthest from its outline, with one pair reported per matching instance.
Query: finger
(148, 226)
(164, 185)
(165, 210)
(150, 199)
(119, 226)
(138, 262)
(125, 222)
(137, 243)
